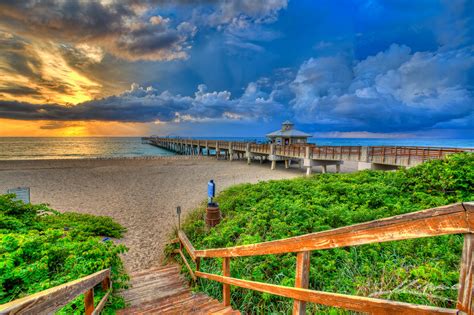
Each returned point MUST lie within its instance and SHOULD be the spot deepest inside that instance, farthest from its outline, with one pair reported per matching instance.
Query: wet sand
(141, 194)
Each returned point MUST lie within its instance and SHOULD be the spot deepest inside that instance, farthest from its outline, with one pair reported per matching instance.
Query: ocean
(115, 147)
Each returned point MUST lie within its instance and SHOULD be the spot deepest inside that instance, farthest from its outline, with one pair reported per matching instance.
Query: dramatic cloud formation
(396, 88)
(393, 90)
(116, 26)
(368, 68)
(147, 105)
(37, 72)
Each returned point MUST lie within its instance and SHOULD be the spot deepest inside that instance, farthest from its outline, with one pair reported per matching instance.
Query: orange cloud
(46, 75)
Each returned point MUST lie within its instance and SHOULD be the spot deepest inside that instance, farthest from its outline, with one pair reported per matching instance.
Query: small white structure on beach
(287, 135)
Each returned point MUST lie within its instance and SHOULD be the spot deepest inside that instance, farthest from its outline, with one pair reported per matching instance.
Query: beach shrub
(41, 248)
(423, 271)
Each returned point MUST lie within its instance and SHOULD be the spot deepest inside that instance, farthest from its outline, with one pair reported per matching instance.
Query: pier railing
(337, 152)
(453, 219)
(389, 155)
(51, 300)
(293, 150)
(408, 155)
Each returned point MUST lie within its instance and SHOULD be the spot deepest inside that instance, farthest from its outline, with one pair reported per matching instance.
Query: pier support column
(272, 156)
(247, 153)
(338, 168)
(308, 162)
(231, 152)
(287, 163)
(324, 169)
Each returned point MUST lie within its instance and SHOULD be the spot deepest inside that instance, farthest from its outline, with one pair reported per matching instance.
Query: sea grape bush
(41, 248)
(423, 271)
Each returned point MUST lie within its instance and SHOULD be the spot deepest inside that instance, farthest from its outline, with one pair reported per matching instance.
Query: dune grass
(423, 271)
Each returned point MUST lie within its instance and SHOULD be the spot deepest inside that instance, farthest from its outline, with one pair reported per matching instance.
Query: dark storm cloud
(146, 105)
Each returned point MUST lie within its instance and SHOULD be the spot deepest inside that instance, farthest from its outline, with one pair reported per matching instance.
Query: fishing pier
(305, 155)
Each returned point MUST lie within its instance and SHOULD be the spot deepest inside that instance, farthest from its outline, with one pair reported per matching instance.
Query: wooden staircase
(163, 290)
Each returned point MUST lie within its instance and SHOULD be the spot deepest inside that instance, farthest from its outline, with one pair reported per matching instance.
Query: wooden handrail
(50, 300)
(351, 302)
(187, 244)
(452, 219)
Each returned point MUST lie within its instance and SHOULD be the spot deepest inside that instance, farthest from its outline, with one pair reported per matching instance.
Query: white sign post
(21, 193)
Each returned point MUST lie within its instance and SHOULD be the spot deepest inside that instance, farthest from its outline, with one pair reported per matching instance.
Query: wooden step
(163, 290)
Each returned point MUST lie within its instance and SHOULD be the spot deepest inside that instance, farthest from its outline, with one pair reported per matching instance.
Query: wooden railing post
(106, 284)
(301, 280)
(466, 275)
(89, 301)
(226, 287)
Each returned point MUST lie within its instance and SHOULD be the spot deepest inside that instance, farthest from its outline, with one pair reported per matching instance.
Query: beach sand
(141, 194)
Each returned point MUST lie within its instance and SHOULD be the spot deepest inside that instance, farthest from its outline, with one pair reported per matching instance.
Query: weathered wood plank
(469, 208)
(89, 301)
(450, 219)
(106, 284)
(301, 280)
(226, 287)
(48, 301)
(355, 303)
(187, 244)
(466, 275)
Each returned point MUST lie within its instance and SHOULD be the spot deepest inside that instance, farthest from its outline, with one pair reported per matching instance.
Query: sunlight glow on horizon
(41, 128)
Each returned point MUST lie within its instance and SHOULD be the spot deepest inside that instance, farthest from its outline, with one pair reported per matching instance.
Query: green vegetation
(41, 248)
(423, 271)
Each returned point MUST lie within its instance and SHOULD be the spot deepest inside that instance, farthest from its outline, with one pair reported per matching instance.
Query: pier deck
(307, 155)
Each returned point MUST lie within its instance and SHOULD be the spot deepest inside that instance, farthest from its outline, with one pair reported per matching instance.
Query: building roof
(288, 133)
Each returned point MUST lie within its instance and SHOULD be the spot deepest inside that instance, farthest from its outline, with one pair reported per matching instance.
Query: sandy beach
(141, 194)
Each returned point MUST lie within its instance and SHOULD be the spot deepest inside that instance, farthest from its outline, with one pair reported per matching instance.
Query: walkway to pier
(306, 155)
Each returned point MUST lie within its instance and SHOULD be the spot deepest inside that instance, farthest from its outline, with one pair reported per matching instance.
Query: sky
(362, 68)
